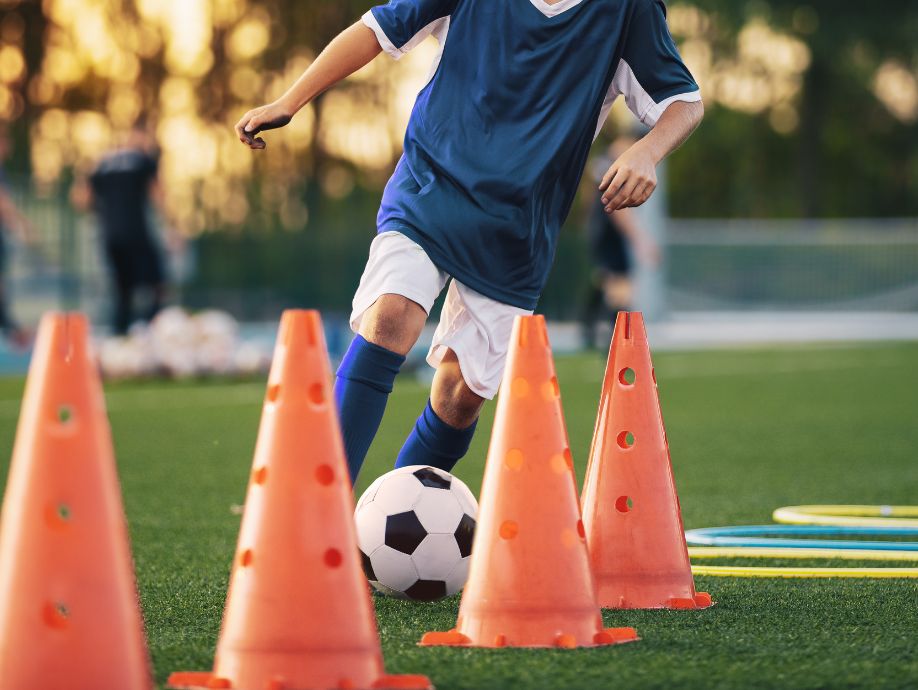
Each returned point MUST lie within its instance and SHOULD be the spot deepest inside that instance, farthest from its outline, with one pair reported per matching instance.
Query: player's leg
(617, 287)
(469, 352)
(7, 325)
(444, 431)
(393, 322)
(396, 292)
(9, 328)
(120, 264)
(593, 303)
(618, 293)
(157, 300)
(155, 277)
(388, 330)
(452, 399)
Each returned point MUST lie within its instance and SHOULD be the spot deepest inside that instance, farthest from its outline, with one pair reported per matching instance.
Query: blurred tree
(812, 110)
(845, 144)
(812, 106)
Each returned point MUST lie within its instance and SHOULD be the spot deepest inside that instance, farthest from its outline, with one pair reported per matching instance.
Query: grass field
(749, 430)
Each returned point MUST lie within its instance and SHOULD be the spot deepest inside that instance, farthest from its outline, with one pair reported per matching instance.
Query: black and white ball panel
(436, 557)
(398, 493)
(466, 498)
(415, 527)
(464, 535)
(438, 513)
(433, 479)
(427, 590)
(404, 532)
(393, 568)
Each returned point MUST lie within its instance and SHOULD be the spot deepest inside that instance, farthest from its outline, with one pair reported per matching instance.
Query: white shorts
(475, 327)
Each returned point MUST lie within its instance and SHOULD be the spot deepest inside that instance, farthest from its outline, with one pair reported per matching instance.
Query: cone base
(194, 680)
(701, 600)
(603, 638)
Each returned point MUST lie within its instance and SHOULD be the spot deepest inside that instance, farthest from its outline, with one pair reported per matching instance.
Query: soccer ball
(415, 527)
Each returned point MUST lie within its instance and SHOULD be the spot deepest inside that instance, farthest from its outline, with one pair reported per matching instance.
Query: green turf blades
(750, 430)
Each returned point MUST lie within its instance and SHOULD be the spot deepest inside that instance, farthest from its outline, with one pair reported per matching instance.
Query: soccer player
(120, 190)
(493, 154)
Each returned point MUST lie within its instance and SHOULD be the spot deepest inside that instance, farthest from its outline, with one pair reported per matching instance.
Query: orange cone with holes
(529, 581)
(630, 507)
(298, 613)
(69, 615)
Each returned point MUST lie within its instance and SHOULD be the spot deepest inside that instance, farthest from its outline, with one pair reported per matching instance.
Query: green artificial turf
(749, 430)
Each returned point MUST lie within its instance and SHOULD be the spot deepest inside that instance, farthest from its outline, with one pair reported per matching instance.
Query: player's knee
(393, 322)
(453, 401)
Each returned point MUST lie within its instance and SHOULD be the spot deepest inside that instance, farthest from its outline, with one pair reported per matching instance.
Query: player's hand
(266, 117)
(630, 181)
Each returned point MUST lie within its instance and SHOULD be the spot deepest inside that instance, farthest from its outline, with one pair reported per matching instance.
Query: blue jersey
(499, 136)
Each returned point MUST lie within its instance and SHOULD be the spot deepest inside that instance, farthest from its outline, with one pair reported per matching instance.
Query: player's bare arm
(632, 178)
(352, 49)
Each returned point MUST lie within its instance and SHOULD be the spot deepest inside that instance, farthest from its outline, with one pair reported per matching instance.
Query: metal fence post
(650, 281)
(69, 280)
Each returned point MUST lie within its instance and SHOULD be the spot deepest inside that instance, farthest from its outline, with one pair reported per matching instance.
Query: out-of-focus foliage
(835, 134)
(76, 74)
(812, 107)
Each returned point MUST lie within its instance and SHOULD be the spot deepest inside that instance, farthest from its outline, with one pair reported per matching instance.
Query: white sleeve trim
(639, 101)
(439, 30)
(388, 46)
(438, 27)
(607, 102)
(687, 97)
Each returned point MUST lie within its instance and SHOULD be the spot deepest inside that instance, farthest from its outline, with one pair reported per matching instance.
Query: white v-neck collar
(555, 9)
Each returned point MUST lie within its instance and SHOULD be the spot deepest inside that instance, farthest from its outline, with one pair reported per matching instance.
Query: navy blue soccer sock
(434, 442)
(362, 387)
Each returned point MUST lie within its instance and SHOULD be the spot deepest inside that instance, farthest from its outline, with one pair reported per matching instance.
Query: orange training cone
(529, 582)
(69, 616)
(298, 613)
(630, 508)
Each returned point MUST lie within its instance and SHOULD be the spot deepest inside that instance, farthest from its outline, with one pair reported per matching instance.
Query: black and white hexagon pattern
(415, 527)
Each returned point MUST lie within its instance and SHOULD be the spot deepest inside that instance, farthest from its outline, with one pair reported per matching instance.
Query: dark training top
(121, 194)
(500, 134)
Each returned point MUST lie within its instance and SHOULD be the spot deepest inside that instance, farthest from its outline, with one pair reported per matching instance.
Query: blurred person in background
(14, 222)
(612, 238)
(121, 190)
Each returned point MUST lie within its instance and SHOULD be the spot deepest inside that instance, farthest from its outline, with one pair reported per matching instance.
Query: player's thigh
(396, 292)
(477, 330)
